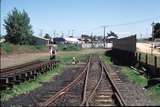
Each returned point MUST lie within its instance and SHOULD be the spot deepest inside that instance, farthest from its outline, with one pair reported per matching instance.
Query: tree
(18, 28)
(156, 30)
(47, 36)
(112, 34)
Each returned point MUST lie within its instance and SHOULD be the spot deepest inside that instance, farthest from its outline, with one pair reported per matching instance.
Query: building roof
(60, 39)
(41, 38)
(72, 39)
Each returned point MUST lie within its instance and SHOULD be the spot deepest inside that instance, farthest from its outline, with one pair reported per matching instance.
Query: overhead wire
(123, 24)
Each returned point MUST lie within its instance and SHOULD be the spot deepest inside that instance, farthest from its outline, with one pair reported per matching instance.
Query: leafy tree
(47, 36)
(112, 34)
(156, 30)
(18, 28)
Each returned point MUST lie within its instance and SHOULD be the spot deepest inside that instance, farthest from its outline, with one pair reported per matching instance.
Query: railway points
(98, 89)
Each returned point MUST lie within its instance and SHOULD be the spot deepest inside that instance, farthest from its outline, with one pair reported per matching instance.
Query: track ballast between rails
(99, 91)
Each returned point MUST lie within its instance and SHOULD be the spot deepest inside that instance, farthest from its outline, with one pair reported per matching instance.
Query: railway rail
(99, 88)
(20, 73)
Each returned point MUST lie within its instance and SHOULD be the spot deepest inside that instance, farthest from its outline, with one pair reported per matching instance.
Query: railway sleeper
(34, 72)
(3, 87)
(4, 80)
(18, 78)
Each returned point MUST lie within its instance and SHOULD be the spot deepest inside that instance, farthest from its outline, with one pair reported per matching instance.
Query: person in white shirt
(52, 53)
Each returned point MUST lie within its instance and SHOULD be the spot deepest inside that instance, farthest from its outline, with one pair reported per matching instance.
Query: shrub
(6, 47)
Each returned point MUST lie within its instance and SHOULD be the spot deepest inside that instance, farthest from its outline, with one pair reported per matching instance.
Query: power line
(134, 22)
(128, 23)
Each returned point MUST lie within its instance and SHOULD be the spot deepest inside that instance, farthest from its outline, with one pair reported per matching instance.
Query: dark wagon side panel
(126, 44)
(123, 51)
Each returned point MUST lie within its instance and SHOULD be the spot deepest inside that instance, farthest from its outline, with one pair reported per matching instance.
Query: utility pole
(62, 34)
(54, 34)
(68, 32)
(104, 28)
(72, 32)
(152, 37)
(41, 33)
(92, 39)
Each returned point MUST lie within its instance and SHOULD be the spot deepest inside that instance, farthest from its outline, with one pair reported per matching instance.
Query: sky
(86, 16)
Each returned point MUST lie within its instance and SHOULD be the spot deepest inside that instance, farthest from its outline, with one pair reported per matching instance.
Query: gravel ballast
(133, 95)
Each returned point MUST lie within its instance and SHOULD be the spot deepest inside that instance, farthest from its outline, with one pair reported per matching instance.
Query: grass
(134, 77)
(105, 59)
(8, 48)
(68, 47)
(154, 93)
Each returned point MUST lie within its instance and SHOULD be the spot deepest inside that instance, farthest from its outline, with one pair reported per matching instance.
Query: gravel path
(134, 95)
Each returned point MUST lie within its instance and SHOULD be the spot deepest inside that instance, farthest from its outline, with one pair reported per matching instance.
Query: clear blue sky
(86, 16)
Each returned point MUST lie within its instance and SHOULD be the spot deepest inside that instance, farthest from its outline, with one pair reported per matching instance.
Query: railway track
(20, 73)
(99, 87)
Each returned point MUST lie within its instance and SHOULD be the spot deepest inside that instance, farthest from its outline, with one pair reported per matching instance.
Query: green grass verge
(134, 76)
(68, 47)
(105, 59)
(8, 48)
(68, 58)
(154, 93)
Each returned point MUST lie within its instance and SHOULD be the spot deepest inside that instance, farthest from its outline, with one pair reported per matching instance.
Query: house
(111, 39)
(62, 40)
(72, 40)
(41, 41)
(86, 38)
(59, 40)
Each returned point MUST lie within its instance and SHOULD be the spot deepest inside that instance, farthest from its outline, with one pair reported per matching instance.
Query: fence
(150, 61)
(96, 45)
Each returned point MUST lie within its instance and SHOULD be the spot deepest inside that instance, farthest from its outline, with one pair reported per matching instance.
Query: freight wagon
(123, 50)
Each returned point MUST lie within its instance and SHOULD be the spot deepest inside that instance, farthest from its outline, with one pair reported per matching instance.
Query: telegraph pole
(54, 34)
(72, 32)
(68, 32)
(41, 32)
(104, 28)
(62, 34)
(152, 37)
(92, 39)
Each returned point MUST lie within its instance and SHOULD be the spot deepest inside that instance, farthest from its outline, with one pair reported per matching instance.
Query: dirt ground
(146, 48)
(16, 59)
(35, 97)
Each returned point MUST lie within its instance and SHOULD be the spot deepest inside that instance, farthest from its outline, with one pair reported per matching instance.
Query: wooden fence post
(155, 63)
(139, 58)
(146, 61)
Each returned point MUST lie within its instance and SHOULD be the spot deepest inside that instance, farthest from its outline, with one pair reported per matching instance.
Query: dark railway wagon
(126, 44)
(123, 50)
